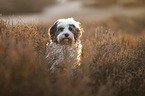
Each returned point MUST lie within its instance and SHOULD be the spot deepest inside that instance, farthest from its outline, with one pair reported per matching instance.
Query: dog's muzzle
(66, 39)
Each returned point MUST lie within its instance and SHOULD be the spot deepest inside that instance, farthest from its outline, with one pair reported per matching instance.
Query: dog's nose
(66, 34)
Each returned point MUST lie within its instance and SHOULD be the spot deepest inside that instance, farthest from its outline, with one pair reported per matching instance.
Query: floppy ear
(78, 33)
(52, 32)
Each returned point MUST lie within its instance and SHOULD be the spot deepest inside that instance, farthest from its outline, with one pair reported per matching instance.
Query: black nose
(66, 34)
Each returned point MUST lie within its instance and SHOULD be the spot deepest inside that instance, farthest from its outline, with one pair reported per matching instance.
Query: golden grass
(108, 68)
(129, 40)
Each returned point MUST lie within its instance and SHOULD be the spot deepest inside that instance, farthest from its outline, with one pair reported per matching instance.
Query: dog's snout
(66, 34)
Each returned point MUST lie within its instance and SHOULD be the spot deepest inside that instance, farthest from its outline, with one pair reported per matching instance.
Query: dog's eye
(60, 29)
(71, 29)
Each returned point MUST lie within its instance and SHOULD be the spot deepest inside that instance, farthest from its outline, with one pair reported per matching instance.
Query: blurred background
(85, 10)
(112, 63)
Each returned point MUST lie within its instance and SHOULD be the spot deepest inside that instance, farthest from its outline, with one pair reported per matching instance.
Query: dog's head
(65, 31)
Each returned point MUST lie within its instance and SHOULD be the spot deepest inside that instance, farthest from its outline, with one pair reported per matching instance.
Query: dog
(65, 44)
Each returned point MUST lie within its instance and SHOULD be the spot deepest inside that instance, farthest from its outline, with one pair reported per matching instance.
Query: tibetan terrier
(65, 46)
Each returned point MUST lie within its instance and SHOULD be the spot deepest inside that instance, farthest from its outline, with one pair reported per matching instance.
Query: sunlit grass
(130, 40)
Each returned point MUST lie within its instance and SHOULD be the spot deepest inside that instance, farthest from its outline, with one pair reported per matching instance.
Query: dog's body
(65, 43)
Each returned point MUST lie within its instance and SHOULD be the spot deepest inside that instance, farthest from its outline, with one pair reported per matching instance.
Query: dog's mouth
(66, 41)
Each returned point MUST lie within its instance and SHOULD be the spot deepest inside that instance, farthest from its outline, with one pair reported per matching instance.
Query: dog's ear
(52, 32)
(78, 33)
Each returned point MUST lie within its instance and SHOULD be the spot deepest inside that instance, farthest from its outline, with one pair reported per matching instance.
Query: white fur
(57, 54)
(65, 22)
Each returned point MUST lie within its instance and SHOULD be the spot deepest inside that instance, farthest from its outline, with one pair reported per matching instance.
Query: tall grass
(108, 68)
(129, 25)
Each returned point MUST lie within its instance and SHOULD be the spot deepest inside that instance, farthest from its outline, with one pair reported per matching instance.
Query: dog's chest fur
(60, 54)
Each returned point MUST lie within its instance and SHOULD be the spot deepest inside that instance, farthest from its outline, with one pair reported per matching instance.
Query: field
(113, 61)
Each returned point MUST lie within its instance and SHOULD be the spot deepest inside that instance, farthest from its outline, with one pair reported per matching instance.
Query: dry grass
(129, 25)
(108, 68)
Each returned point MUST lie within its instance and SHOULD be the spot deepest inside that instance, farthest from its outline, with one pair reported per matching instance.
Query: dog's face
(65, 31)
